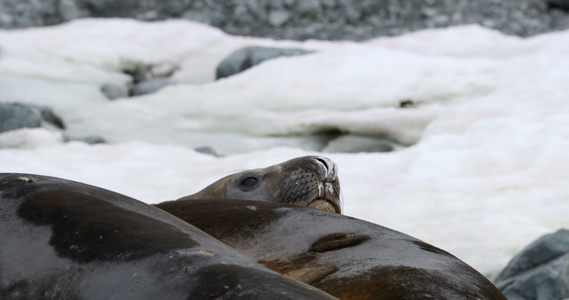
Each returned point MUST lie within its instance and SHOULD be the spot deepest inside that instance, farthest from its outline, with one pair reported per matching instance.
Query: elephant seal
(66, 240)
(342, 256)
(306, 181)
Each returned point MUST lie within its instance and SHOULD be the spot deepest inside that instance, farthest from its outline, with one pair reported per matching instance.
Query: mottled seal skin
(310, 181)
(343, 256)
(66, 240)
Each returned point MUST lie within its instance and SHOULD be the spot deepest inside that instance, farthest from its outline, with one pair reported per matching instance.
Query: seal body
(67, 240)
(305, 181)
(343, 256)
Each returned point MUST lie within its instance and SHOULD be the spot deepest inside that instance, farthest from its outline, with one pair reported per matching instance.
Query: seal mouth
(326, 205)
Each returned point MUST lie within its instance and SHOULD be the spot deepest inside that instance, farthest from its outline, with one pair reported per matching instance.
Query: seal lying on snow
(345, 257)
(66, 240)
(310, 181)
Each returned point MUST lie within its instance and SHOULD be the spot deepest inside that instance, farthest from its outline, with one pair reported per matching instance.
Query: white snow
(485, 172)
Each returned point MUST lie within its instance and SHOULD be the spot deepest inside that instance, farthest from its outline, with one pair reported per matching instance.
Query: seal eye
(249, 182)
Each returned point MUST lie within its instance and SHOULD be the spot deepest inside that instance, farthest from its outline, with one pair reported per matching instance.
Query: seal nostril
(323, 162)
(329, 166)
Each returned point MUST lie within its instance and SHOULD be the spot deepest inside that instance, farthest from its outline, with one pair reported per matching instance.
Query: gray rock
(69, 10)
(50, 117)
(17, 115)
(278, 17)
(139, 71)
(113, 92)
(357, 144)
(142, 10)
(91, 140)
(559, 4)
(150, 86)
(248, 57)
(212, 18)
(206, 150)
(309, 7)
(326, 19)
(540, 271)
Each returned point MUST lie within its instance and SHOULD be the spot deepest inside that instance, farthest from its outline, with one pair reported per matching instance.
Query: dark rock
(146, 79)
(112, 91)
(142, 10)
(17, 115)
(91, 140)
(69, 10)
(304, 19)
(50, 117)
(146, 86)
(248, 57)
(406, 103)
(206, 150)
(139, 72)
(358, 144)
(559, 4)
(150, 86)
(540, 271)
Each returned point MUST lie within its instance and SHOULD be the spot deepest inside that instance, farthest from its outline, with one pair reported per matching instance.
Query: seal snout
(328, 187)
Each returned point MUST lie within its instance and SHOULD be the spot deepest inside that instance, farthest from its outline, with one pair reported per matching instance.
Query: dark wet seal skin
(82, 232)
(66, 240)
(343, 256)
(310, 181)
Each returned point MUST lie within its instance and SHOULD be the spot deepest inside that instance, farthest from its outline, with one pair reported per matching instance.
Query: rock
(212, 18)
(248, 57)
(91, 140)
(145, 86)
(304, 19)
(357, 144)
(146, 79)
(278, 17)
(206, 150)
(540, 271)
(138, 71)
(559, 4)
(113, 92)
(309, 7)
(50, 117)
(150, 86)
(17, 115)
(69, 10)
(406, 103)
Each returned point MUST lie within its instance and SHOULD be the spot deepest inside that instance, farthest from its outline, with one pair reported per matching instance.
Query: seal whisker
(330, 187)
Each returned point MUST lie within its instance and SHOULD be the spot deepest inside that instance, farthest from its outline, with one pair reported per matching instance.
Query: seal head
(310, 181)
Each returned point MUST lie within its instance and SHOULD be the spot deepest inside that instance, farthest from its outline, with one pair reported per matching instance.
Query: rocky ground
(305, 19)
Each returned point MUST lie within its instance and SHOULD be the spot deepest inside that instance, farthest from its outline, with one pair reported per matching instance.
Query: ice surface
(485, 172)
